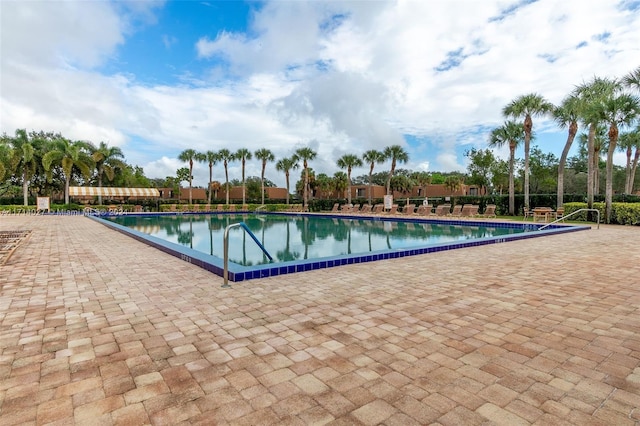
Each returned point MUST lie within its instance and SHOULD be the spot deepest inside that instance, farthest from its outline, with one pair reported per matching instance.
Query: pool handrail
(225, 273)
(571, 214)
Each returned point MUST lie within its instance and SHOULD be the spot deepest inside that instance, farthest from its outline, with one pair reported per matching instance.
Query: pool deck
(98, 328)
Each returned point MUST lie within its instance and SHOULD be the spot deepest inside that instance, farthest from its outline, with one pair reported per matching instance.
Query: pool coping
(237, 273)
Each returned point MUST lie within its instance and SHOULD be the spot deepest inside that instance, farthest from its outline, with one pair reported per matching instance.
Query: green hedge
(621, 214)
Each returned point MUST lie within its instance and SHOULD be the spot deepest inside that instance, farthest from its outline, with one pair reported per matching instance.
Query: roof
(114, 192)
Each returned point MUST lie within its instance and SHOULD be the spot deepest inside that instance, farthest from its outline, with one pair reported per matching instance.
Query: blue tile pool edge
(237, 273)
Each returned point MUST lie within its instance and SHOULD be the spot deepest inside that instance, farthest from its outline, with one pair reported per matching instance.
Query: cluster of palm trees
(596, 103)
(37, 154)
(395, 153)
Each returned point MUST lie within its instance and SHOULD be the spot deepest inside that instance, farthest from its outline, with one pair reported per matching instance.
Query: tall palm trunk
(590, 168)
(634, 167)
(286, 177)
(512, 186)
(25, 187)
(528, 125)
(573, 129)
(608, 197)
(627, 177)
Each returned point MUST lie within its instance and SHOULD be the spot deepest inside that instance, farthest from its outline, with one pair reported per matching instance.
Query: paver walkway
(97, 328)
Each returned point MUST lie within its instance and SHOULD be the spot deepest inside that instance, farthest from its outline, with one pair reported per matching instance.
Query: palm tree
(107, 160)
(264, 155)
(339, 182)
(243, 154)
(617, 110)
(591, 95)
(566, 115)
(526, 107)
(68, 155)
(632, 80)
(629, 142)
(286, 165)
(22, 149)
(5, 154)
(189, 155)
(305, 154)
(225, 156)
(397, 154)
(422, 179)
(512, 134)
(349, 161)
(211, 158)
(372, 157)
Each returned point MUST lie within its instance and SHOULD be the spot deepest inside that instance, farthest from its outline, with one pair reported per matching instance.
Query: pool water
(288, 238)
(300, 242)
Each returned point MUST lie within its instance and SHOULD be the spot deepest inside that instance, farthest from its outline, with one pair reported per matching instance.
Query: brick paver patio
(97, 328)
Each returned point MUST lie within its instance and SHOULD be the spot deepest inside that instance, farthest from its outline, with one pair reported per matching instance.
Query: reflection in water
(288, 237)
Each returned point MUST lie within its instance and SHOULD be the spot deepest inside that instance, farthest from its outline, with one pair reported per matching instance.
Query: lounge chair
(231, 207)
(422, 210)
(559, 212)
(393, 209)
(355, 208)
(469, 210)
(220, 208)
(335, 208)
(365, 209)
(490, 211)
(409, 209)
(346, 208)
(378, 208)
(457, 211)
(442, 210)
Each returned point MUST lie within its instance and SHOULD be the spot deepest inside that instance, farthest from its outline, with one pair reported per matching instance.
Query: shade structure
(87, 191)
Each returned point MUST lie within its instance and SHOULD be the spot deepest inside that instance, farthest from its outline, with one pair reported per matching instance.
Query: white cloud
(343, 77)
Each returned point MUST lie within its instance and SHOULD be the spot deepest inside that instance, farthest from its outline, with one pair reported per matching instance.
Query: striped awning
(87, 191)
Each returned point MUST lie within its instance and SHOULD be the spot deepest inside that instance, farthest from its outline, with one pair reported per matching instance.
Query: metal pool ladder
(225, 273)
(571, 214)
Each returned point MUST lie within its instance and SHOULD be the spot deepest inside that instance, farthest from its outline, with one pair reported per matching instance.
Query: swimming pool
(303, 242)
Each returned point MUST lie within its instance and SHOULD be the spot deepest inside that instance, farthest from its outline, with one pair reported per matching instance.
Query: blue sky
(155, 78)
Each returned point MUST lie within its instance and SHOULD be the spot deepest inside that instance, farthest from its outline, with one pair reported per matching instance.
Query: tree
(340, 182)
(182, 175)
(68, 154)
(402, 183)
(349, 161)
(5, 154)
(226, 156)
(189, 156)
(453, 183)
(632, 80)
(591, 95)
(422, 179)
(372, 157)
(629, 142)
(543, 171)
(306, 155)
(480, 166)
(511, 134)
(107, 160)
(566, 115)
(325, 184)
(265, 156)
(619, 109)
(397, 154)
(243, 154)
(286, 165)
(526, 107)
(23, 159)
(211, 158)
